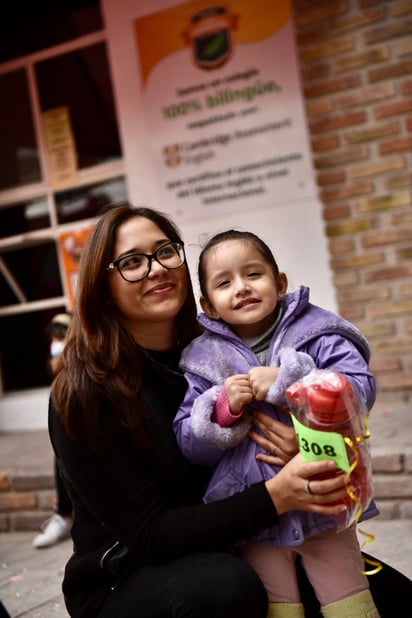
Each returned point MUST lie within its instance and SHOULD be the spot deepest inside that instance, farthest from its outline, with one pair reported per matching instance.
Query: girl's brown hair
(101, 360)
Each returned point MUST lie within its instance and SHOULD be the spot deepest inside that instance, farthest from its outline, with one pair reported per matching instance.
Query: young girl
(248, 320)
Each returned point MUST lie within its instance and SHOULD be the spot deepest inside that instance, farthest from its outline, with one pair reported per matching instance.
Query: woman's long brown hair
(100, 361)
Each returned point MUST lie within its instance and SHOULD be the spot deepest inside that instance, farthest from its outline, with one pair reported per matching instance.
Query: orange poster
(70, 247)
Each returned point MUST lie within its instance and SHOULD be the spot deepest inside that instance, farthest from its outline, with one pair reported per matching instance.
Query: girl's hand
(279, 439)
(261, 379)
(295, 488)
(238, 392)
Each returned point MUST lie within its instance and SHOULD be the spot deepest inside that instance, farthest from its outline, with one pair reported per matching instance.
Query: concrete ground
(30, 579)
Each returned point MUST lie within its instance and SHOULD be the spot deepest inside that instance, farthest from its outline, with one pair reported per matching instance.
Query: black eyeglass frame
(178, 246)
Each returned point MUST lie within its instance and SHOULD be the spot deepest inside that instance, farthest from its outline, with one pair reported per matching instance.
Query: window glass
(25, 346)
(19, 157)
(80, 81)
(35, 270)
(86, 202)
(31, 26)
(24, 217)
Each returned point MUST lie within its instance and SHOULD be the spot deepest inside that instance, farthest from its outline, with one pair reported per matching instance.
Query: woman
(144, 544)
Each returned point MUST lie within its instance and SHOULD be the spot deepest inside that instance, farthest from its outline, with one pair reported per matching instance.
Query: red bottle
(325, 400)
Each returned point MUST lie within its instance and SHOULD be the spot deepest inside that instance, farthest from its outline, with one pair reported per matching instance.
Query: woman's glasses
(136, 266)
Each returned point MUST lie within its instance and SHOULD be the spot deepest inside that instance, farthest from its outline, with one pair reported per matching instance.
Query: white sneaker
(55, 529)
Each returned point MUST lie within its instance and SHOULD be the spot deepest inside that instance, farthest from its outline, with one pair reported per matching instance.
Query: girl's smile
(242, 288)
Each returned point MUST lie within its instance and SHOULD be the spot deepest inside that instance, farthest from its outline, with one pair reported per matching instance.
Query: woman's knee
(218, 585)
(196, 586)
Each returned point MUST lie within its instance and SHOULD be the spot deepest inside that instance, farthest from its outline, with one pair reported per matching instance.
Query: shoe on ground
(55, 529)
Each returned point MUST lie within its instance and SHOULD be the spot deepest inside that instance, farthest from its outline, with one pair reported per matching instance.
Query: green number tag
(315, 444)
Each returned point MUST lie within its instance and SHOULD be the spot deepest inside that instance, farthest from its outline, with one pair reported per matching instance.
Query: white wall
(26, 410)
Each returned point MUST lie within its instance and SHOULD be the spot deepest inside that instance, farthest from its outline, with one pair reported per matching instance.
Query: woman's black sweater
(151, 502)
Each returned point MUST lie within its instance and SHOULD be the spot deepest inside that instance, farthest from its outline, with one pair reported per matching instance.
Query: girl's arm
(196, 449)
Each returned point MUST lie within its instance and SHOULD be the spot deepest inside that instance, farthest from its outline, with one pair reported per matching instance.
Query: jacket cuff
(222, 414)
(293, 366)
(205, 429)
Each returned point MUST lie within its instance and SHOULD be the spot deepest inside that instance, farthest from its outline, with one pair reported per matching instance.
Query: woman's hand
(295, 488)
(279, 439)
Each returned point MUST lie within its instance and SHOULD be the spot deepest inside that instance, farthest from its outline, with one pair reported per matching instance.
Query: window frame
(43, 189)
(86, 176)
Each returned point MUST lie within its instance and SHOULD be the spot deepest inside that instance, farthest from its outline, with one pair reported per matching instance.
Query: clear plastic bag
(326, 402)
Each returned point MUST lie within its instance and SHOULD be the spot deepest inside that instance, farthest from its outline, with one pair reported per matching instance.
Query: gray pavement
(30, 579)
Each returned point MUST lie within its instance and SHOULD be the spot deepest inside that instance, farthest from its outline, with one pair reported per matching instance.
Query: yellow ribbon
(370, 537)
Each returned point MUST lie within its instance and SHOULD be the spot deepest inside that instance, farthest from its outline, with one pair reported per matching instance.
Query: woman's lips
(162, 288)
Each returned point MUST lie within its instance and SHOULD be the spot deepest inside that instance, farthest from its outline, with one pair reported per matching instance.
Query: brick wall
(356, 65)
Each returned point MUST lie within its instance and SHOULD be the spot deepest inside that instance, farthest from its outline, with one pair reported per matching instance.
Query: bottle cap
(327, 398)
(295, 392)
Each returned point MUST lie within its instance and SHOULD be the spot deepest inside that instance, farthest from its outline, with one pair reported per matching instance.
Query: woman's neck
(156, 337)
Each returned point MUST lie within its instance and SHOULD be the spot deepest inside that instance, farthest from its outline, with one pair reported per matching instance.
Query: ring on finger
(308, 489)
(274, 450)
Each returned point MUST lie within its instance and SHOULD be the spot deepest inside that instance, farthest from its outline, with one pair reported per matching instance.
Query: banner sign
(223, 105)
